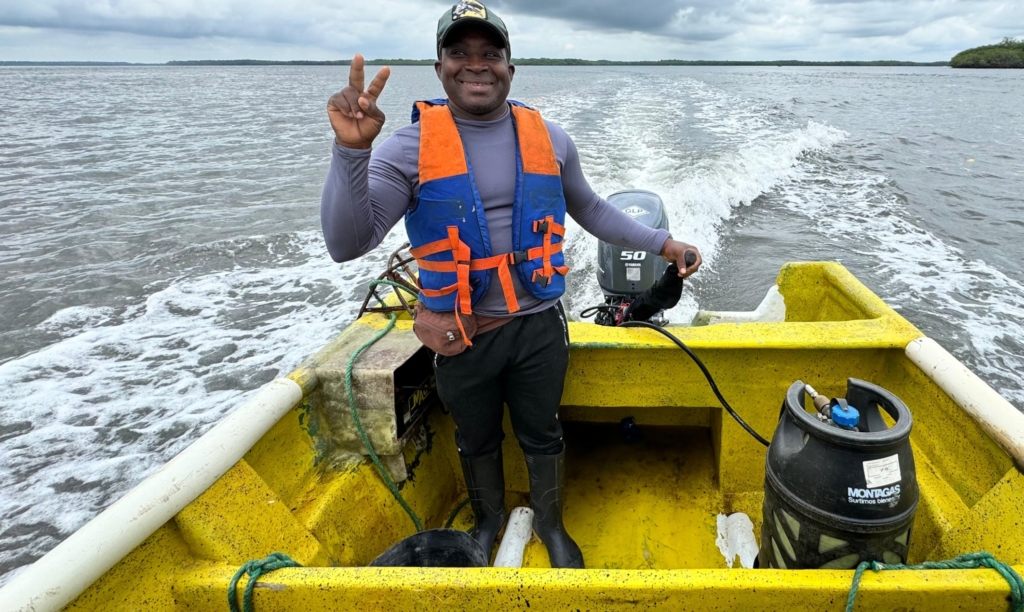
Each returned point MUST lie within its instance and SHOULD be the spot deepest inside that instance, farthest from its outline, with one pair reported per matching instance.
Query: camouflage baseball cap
(466, 11)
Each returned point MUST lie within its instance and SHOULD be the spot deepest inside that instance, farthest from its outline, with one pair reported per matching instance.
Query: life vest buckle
(541, 226)
(517, 257)
(540, 279)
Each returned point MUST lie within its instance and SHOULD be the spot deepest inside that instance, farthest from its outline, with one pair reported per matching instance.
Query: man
(501, 271)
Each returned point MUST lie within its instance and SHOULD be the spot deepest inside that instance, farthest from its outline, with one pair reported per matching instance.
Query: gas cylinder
(840, 486)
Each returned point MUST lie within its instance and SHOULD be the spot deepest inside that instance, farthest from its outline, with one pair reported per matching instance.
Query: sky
(163, 30)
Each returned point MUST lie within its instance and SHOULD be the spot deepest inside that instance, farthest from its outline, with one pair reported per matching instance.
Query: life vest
(447, 227)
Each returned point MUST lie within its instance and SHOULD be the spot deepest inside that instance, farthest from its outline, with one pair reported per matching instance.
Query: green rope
(968, 561)
(355, 414)
(455, 513)
(255, 569)
(275, 561)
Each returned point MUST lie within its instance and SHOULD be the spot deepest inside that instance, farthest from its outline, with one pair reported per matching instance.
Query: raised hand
(353, 111)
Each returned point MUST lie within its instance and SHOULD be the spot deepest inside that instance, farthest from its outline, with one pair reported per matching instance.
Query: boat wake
(971, 308)
(93, 414)
(702, 150)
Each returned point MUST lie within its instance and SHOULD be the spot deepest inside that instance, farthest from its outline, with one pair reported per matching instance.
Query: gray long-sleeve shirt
(367, 193)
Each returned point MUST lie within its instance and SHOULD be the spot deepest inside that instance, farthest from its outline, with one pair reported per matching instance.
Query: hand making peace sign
(354, 114)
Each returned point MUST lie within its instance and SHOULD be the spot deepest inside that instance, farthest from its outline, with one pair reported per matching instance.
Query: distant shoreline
(541, 61)
(1007, 54)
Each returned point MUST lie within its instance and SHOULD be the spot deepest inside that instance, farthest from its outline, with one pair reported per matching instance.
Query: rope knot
(972, 560)
(255, 568)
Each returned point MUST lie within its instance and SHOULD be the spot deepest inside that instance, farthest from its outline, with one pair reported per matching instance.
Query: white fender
(996, 416)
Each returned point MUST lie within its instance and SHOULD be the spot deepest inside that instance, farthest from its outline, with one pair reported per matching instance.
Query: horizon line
(520, 61)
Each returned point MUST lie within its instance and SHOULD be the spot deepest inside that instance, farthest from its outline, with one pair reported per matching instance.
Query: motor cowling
(625, 272)
(836, 496)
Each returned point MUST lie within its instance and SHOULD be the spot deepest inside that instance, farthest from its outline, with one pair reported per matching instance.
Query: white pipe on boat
(69, 569)
(517, 534)
(1000, 420)
(772, 309)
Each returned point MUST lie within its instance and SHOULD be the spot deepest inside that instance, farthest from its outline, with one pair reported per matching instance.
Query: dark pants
(522, 364)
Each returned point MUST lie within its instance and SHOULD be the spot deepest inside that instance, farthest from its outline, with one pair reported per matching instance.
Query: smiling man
(484, 184)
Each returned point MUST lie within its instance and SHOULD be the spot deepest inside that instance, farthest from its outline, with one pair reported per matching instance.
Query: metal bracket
(397, 272)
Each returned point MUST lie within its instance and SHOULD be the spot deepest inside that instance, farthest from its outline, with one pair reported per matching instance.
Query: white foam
(851, 206)
(76, 318)
(638, 149)
(111, 402)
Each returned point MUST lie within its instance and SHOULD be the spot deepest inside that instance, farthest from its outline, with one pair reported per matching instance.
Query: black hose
(589, 312)
(707, 375)
(455, 513)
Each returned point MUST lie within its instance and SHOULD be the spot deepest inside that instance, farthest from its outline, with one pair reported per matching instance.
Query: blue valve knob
(845, 415)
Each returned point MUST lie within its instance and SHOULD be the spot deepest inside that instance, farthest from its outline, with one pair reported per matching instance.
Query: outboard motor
(625, 274)
(840, 485)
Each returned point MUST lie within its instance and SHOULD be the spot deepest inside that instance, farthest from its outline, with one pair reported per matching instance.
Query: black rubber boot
(547, 473)
(485, 484)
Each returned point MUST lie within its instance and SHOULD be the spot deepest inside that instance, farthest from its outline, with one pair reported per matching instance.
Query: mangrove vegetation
(1007, 54)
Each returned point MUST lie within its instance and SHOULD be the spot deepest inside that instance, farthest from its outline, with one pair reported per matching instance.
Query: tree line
(1006, 54)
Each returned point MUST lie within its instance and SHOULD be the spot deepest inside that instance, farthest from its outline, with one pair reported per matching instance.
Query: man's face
(475, 73)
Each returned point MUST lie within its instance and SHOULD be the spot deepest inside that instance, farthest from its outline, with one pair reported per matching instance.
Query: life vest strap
(549, 228)
(538, 252)
(545, 279)
(547, 225)
(488, 263)
(443, 291)
(507, 288)
(462, 264)
(501, 262)
(432, 248)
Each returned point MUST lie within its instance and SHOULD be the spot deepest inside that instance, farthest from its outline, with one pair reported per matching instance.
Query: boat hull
(644, 515)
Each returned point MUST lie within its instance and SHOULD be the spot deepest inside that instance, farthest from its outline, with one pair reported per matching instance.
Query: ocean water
(161, 258)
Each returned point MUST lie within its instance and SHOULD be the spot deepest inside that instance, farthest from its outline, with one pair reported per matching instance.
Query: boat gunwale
(351, 587)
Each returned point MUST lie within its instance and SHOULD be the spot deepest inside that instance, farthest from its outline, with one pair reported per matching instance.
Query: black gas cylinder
(836, 496)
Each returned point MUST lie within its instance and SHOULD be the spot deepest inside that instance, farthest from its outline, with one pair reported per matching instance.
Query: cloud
(330, 24)
(611, 14)
(159, 30)
(703, 20)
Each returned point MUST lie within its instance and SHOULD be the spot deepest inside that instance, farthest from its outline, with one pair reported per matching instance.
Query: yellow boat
(286, 472)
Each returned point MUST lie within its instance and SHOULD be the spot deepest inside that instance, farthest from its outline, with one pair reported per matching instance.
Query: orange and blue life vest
(447, 228)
